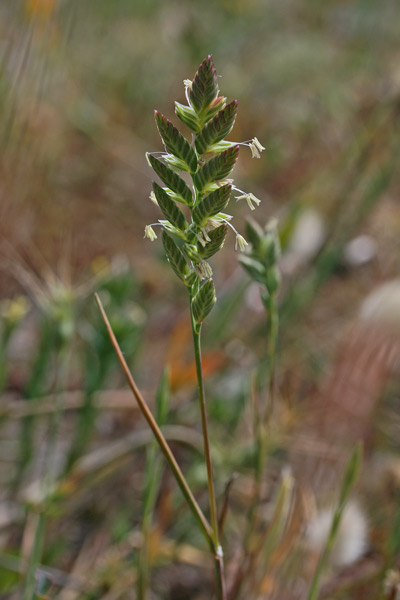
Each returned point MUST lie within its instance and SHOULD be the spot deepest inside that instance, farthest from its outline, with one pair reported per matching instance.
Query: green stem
(271, 306)
(35, 556)
(151, 487)
(264, 415)
(5, 338)
(261, 418)
(218, 555)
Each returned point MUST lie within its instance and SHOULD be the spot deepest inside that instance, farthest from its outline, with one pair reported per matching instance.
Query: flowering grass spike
(209, 159)
(197, 232)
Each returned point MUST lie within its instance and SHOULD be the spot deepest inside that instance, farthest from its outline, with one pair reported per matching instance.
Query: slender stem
(6, 334)
(187, 492)
(261, 419)
(35, 556)
(262, 425)
(218, 555)
(152, 480)
(204, 425)
(151, 486)
(270, 304)
(220, 575)
(264, 414)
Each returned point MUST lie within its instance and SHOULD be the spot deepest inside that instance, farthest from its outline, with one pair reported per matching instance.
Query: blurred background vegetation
(319, 84)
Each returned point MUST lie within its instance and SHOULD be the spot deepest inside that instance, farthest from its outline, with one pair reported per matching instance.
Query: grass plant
(189, 241)
(320, 85)
(188, 245)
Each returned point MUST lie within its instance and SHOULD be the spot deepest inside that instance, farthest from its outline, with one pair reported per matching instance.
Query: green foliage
(254, 234)
(260, 262)
(98, 359)
(254, 268)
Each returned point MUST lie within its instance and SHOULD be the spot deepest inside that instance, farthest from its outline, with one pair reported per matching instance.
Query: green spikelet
(254, 234)
(211, 205)
(172, 180)
(217, 238)
(254, 268)
(217, 168)
(188, 116)
(215, 106)
(220, 126)
(204, 87)
(261, 262)
(209, 160)
(175, 257)
(169, 208)
(175, 143)
(204, 301)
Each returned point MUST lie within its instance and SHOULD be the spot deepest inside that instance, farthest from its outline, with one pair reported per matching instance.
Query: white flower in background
(352, 538)
(382, 305)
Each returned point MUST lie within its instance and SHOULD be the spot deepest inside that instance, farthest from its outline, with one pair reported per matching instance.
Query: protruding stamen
(240, 243)
(204, 270)
(256, 148)
(150, 233)
(250, 198)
